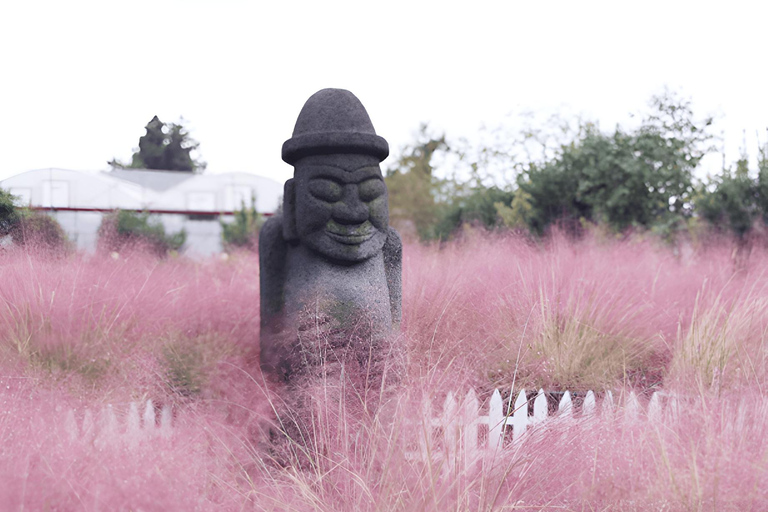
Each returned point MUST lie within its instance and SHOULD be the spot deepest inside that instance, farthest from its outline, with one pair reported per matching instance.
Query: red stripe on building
(107, 210)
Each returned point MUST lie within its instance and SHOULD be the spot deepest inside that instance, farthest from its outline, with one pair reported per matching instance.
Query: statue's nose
(350, 210)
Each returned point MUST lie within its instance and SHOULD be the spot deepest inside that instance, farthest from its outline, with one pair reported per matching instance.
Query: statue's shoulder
(393, 255)
(394, 244)
(271, 242)
(272, 230)
(393, 267)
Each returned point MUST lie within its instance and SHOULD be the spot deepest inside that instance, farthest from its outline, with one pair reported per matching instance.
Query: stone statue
(330, 265)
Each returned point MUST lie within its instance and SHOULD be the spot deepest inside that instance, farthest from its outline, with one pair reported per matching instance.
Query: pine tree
(165, 146)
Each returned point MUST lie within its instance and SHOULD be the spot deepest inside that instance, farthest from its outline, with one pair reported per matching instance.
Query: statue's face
(341, 206)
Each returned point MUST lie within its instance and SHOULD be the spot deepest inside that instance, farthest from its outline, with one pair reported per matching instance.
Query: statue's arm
(272, 253)
(272, 256)
(393, 266)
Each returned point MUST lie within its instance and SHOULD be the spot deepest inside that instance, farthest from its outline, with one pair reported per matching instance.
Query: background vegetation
(624, 180)
(123, 230)
(166, 147)
(243, 231)
(23, 227)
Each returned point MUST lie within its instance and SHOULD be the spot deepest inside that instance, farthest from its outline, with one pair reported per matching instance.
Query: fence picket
(108, 420)
(588, 408)
(89, 427)
(450, 426)
(165, 421)
(631, 407)
(469, 415)
(70, 426)
(520, 415)
(425, 439)
(673, 408)
(540, 407)
(496, 420)
(565, 408)
(654, 409)
(107, 430)
(608, 405)
(149, 418)
(133, 425)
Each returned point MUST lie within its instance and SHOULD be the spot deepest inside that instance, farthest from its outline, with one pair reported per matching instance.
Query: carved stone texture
(330, 265)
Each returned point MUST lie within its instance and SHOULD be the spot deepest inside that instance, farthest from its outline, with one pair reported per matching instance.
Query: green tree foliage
(762, 182)
(432, 207)
(165, 146)
(518, 214)
(8, 212)
(243, 232)
(625, 179)
(732, 204)
(641, 178)
(30, 228)
(735, 201)
(478, 207)
(413, 188)
(124, 229)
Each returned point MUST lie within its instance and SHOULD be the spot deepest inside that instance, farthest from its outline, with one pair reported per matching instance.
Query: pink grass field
(82, 332)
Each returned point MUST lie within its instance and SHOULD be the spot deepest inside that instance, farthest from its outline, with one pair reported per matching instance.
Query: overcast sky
(81, 79)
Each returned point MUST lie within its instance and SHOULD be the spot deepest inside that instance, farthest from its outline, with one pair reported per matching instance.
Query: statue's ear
(289, 212)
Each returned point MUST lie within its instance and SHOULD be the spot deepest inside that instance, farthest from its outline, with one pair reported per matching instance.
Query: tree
(517, 214)
(762, 181)
(8, 213)
(734, 201)
(731, 205)
(29, 228)
(413, 188)
(642, 178)
(244, 231)
(623, 179)
(165, 146)
(478, 206)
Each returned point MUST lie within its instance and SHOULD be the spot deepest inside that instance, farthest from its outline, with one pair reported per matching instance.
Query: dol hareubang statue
(330, 265)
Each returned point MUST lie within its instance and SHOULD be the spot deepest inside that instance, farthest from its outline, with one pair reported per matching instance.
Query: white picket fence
(460, 431)
(456, 432)
(106, 428)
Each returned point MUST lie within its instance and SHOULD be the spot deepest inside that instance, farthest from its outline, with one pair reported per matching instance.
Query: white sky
(79, 80)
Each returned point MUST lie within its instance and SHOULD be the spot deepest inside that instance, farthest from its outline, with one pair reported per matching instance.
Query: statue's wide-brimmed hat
(333, 121)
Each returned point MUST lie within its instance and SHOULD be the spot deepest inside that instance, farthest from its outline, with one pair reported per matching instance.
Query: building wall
(204, 236)
(203, 232)
(80, 227)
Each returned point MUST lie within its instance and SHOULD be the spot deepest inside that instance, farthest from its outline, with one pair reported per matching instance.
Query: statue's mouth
(350, 235)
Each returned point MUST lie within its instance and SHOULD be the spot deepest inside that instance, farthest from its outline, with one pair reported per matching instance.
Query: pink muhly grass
(80, 332)
(703, 458)
(88, 315)
(489, 304)
(43, 467)
(710, 455)
(562, 314)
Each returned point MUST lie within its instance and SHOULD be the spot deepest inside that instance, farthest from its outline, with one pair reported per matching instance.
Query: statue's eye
(325, 190)
(371, 189)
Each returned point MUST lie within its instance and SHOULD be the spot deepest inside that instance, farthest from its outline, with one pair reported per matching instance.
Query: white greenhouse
(193, 202)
